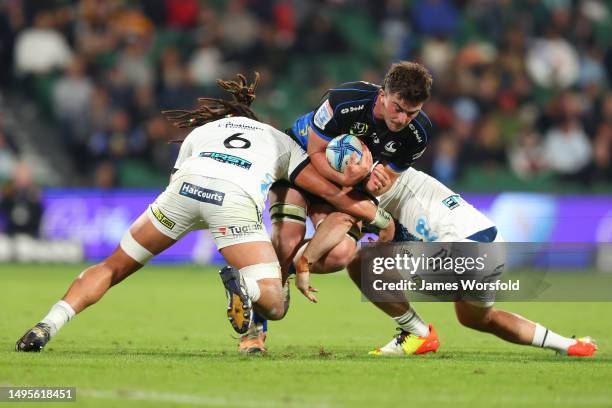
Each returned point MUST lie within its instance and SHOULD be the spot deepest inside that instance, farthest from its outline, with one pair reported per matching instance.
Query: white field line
(196, 400)
(201, 400)
(439, 397)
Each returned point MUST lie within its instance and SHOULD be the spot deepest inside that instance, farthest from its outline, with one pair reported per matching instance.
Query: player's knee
(271, 299)
(474, 317)
(277, 312)
(341, 255)
(272, 304)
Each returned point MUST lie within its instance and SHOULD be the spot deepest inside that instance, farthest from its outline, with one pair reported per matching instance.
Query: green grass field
(161, 339)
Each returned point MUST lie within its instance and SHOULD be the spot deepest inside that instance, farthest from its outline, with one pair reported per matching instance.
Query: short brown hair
(411, 80)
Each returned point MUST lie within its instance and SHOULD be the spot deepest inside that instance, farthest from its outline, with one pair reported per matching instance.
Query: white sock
(59, 315)
(252, 289)
(548, 339)
(412, 323)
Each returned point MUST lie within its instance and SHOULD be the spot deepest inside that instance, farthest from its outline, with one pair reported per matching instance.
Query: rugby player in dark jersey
(389, 121)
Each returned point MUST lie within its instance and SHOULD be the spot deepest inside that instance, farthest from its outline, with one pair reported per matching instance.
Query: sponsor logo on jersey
(358, 129)
(161, 217)
(415, 131)
(390, 147)
(352, 109)
(228, 159)
(233, 125)
(375, 138)
(452, 202)
(236, 231)
(323, 115)
(202, 194)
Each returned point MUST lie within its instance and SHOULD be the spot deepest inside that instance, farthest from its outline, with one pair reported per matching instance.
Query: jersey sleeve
(341, 108)
(327, 121)
(185, 151)
(298, 159)
(323, 122)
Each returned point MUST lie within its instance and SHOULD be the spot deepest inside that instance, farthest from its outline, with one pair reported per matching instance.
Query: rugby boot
(35, 339)
(239, 306)
(405, 343)
(253, 341)
(584, 347)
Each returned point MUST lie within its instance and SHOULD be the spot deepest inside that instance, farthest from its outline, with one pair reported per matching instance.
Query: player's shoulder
(352, 100)
(419, 130)
(349, 91)
(356, 86)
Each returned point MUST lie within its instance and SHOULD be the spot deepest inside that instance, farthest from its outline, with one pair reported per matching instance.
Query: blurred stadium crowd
(521, 96)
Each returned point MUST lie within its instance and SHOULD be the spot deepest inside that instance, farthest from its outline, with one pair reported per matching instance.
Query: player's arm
(344, 199)
(354, 172)
(327, 236)
(381, 180)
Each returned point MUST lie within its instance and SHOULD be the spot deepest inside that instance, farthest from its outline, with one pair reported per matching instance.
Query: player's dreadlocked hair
(210, 109)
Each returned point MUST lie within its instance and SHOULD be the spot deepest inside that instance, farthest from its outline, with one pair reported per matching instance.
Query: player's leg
(288, 210)
(330, 250)
(288, 216)
(252, 280)
(260, 274)
(480, 314)
(415, 336)
(142, 241)
(519, 330)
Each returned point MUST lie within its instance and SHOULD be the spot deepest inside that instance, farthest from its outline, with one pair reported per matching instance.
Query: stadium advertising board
(98, 219)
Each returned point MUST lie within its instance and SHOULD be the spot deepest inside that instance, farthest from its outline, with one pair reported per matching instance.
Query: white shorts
(193, 202)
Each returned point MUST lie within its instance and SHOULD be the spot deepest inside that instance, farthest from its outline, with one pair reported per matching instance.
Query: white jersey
(431, 211)
(246, 152)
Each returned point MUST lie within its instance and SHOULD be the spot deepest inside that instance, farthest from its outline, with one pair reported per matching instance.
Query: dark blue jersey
(349, 109)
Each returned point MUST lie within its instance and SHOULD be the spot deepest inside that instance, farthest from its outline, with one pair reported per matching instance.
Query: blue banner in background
(99, 218)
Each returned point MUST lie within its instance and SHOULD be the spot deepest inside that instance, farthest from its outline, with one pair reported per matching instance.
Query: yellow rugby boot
(406, 343)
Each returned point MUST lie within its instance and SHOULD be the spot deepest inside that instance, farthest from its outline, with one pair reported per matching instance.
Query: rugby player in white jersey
(426, 210)
(220, 181)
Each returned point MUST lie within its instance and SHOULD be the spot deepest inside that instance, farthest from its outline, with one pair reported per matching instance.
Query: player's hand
(387, 234)
(357, 169)
(378, 180)
(302, 279)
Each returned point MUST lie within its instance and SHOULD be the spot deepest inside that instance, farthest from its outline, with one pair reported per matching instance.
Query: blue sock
(292, 270)
(257, 319)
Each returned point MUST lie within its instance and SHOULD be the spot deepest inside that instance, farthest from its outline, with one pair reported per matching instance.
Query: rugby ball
(340, 149)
